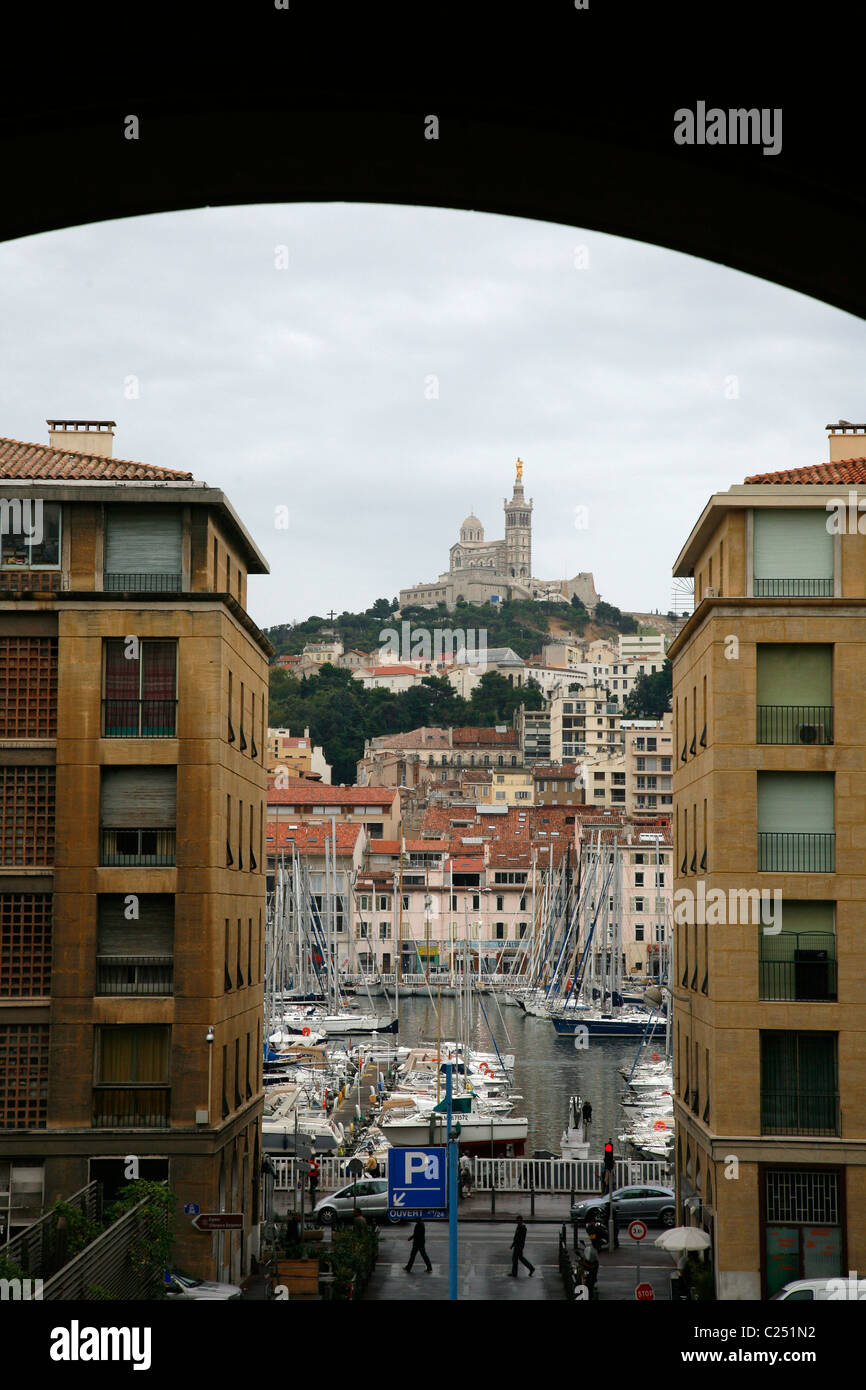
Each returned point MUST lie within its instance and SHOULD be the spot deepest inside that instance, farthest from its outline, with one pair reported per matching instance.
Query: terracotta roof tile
(309, 838)
(301, 791)
(851, 470)
(38, 462)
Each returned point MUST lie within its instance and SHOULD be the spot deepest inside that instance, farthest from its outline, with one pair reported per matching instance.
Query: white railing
(562, 1174)
(500, 1174)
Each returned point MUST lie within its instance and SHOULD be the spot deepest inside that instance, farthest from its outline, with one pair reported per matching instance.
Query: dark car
(649, 1202)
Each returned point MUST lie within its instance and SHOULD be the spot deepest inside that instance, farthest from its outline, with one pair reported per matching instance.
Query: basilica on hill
(482, 571)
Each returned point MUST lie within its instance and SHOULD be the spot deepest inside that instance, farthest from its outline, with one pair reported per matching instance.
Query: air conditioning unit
(810, 733)
(711, 593)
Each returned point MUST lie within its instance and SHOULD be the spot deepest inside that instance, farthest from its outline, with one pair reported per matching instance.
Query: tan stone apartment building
(132, 813)
(770, 795)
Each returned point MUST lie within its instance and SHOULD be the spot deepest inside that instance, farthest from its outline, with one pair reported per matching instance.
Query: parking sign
(418, 1182)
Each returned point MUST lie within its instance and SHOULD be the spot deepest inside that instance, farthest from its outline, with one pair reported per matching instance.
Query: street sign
(418, 1182)
(354, 1167)
(191, 1209)
(637, 1230)
(219, 1221)
(644, 1292)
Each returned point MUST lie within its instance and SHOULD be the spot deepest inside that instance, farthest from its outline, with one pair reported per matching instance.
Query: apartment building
(425, 756)
(583, 723)
(770, 796)
(508, 787)
(296, 755)
(648, 752)
(533, 730)
(132, 800)
(643, 643)
(376, 808)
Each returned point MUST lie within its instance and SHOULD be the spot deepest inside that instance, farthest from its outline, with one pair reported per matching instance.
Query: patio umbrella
(683, 1238)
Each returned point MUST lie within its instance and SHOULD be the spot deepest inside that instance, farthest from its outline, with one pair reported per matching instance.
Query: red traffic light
(608, 1156)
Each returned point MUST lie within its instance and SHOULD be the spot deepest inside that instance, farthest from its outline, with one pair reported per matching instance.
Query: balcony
(145, 847)
(800, 1112)
(793, 588)
(128, 1107)
(806, 724)
(134, 974)
(808, 971)
(139, 718)
(26, 581)
(142, 583)
(796, 852)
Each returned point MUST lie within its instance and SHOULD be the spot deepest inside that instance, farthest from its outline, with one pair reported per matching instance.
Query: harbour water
(547, 1069)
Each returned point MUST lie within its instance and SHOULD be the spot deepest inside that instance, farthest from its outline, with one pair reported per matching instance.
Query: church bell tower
(518, 531)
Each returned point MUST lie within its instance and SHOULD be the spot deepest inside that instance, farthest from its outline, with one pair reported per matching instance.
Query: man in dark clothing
(517, 1246)
(587, 1117)
(417, 1239)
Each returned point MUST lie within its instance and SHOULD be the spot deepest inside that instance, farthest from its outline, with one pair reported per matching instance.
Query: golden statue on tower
(519, 469)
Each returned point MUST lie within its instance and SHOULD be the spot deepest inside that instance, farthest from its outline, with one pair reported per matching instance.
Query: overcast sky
(632, 381)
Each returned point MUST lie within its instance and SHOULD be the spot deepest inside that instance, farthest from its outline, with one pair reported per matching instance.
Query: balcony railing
(140, 846)
(25, 581)
(806, 724)
(142, 583)
(139, 718)
(125, 1107)
(796, 851)
(793, 588)
(134, 974)
(807, 972)
(800, 1112)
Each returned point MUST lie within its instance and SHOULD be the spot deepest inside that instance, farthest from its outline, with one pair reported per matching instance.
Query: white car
(183, 1286)
(369, 1196)
(806, 1289)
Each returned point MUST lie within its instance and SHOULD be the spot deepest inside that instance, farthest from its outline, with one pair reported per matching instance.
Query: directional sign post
(219, 1221)
(637, 1231)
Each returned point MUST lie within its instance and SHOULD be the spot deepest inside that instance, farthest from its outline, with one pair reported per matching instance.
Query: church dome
(472, 530)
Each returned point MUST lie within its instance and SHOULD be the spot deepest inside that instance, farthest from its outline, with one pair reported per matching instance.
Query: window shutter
(792, 544)
(151, 935)
(795, 801)
(140, 797)
(142, 540)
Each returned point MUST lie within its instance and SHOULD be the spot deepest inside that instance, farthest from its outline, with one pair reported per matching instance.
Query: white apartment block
(641, 643)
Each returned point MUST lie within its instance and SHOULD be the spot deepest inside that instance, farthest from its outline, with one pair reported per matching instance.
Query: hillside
(523, 626)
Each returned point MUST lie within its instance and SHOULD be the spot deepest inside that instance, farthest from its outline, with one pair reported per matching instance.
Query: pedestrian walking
(465, 1176)
(517, 1245)
(589, 1266)
(587, 1117)
(417, 1241)
(313, 1180)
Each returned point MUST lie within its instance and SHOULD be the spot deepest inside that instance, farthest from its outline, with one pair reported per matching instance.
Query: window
(364, 902)
(405, 902)
(143, 549)
(793, 553)
(23, 1075)
(27, 816)
(132, 1075)
(134, 953)
(139, 689)
(28, 680)
(799, 1083)
(383, 904)
(384, 931)
(25, 945)
(638, 880)
(30, 534)
(796, 822)
(500, 902)
(638, 931)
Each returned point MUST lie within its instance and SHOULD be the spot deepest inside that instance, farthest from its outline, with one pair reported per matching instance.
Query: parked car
(184, 1286)
(650, 1203)
(369, 1196)
(807, 1289)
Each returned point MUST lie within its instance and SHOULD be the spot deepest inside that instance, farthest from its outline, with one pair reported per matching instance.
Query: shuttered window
(139, 796)
(794, 674)
(142, 548)
(793, 553)
(795, 801)
(150, 934)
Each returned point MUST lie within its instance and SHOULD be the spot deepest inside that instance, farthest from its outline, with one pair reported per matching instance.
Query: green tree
(650, 696)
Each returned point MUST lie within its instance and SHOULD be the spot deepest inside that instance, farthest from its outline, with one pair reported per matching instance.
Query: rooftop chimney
(82, 436)
(846, 441)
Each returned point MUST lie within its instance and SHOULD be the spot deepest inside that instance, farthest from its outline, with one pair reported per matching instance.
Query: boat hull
(508, 1136)
(349, 1026)
(599, 1027)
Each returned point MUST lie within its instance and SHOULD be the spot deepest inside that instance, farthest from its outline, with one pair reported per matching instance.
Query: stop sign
(644, 1291)
(637, 1230)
